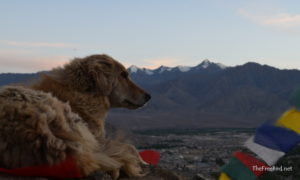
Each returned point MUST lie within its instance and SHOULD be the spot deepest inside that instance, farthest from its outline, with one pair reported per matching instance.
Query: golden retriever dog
(63, 115)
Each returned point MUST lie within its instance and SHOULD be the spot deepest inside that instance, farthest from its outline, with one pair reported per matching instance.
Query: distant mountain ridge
(165, 73)
(206, 64)
(211, 96)
(206, 95)
(15, 78)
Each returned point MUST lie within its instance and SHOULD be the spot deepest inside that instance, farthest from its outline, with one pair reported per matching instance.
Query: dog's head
(102, 75)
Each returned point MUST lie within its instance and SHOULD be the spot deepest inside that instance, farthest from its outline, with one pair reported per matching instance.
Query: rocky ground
(194, 153)
(199, 154)
(188, 154)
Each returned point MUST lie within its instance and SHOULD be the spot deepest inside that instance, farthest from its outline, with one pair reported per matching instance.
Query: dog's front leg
(126, 155)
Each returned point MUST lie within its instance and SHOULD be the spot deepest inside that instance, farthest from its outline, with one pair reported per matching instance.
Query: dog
(63, 114)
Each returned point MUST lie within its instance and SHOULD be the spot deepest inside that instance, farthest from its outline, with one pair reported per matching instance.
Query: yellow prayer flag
(224, 176)
(291, 120)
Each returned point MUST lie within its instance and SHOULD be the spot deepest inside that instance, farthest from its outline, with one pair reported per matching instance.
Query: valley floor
(201, 153)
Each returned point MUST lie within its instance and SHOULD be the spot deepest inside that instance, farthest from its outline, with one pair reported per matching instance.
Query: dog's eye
(124, 74)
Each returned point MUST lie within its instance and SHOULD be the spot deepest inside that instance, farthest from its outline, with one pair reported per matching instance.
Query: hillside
(207, 95)
(241, 96)
(14, 78)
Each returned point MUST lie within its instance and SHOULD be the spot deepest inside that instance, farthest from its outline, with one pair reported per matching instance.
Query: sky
(39, 35)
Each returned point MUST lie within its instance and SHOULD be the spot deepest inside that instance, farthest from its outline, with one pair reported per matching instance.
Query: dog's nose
(147, 96)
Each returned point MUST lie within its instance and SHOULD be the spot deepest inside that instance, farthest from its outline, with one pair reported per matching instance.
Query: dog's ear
(75, 76)
(103, 77)
(93, 74)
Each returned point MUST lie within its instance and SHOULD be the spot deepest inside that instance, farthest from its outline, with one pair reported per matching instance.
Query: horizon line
(152, 69)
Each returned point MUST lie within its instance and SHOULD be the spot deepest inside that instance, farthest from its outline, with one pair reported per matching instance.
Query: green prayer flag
(237, 171)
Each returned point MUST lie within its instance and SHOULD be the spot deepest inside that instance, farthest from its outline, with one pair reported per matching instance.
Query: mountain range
(207, 95)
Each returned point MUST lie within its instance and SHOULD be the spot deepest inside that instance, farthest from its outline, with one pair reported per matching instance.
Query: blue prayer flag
(277, 138)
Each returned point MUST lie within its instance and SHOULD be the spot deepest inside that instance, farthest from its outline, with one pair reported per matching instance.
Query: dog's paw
(132, 161)
(127, 156)
(115, 174)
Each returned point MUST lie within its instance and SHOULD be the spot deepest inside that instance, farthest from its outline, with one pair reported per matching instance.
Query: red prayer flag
(256, 166)
(150, 156)
(66, 169)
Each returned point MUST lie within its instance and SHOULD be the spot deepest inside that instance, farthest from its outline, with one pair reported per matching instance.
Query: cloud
(26, 62)
(39, 44)
(156, 62)
(281, 21)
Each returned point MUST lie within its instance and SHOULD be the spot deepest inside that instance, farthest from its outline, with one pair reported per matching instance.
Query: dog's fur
(63, 115)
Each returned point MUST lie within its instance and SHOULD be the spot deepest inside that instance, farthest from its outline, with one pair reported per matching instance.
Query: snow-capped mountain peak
(148, 71)
(222, 66)
(205, 63)
(184, 68)
(133, 69)
(162, 69)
